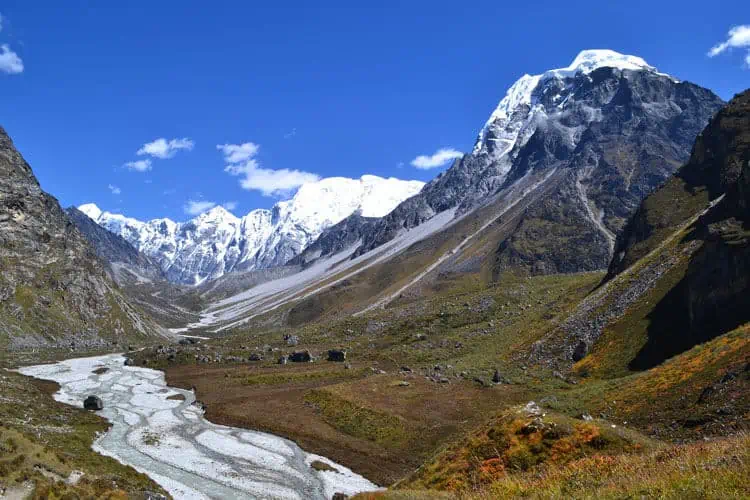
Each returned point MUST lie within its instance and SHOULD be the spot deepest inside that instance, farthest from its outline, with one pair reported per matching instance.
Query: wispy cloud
(170, 191)
(242, 162)
(236, 153)
(10, 62)
(291, 134)
(162, 148)
(737, 38)
(230, 205)
(139, 165)
(1, 22)
(114, 189)
(197, 207)
(440, 158)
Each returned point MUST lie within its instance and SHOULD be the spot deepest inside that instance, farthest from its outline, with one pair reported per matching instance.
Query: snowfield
(190, 457)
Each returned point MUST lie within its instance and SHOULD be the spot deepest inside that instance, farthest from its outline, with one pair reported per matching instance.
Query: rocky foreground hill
(54, 291)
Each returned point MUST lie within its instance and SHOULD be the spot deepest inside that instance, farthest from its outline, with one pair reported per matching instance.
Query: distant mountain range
(217, 242)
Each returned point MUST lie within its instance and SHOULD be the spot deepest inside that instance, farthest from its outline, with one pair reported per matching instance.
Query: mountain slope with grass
(54, 291)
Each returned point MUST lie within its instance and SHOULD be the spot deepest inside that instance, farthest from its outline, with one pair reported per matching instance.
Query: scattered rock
(586, 417)
(291, 340)
(93, 403)
(282, 360)
(337, 355)
(532, 408)
(301, 357)
(256, 356)
(322, 466)
(580, 351)
(498, 379)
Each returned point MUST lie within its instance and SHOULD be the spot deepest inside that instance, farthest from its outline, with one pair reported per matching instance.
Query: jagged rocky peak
(216, 241)
(505, 124)
(610, 127)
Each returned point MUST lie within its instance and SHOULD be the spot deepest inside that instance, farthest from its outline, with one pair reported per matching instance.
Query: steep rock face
(681, 275)
(53, 289)
(127, 265)
(612, 127)
(714, 295)
(217, 242)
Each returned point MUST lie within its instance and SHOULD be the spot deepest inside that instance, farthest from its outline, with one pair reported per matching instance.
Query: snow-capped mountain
(217, 242)
(609, 126)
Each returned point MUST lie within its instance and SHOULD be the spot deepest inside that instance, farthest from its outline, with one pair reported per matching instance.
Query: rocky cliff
(54, 291)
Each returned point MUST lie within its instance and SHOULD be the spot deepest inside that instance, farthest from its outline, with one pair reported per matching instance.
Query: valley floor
(427, 380)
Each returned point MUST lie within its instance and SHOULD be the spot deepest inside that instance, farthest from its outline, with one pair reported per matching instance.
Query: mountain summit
(578, 147)
(216, 241)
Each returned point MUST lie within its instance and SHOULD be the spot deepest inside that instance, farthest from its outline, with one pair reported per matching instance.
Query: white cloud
(163, 149)
(197, 207)
(139, 165)
(242, 163)
(235, 153)
(440, 158)
(115, 190)
(737, 38)
(229, 205)
(10, 62)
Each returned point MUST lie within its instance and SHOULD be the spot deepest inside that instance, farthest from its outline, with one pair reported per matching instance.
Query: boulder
(93, 403)
(291, 340)
(255, 357)
(497, 378)
(301, 357)
(339, 496)
(580, 351)
(337, 355)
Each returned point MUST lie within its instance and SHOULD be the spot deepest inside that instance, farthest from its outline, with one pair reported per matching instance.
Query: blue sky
(331, 89)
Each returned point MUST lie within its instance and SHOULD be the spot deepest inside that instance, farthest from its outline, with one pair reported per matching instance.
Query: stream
(190, 457)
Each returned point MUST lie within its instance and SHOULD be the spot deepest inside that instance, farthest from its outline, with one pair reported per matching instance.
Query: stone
(301, 357)
(580, 351)
(282, 360)
(255, 357)
(337, 355)
(498, 379)
(291, 340)
(339, 496)
(93, 403)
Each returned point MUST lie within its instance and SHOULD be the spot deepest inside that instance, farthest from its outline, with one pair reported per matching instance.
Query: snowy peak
(91, 210)
(589, 60)
(216, 241)
(513, 119)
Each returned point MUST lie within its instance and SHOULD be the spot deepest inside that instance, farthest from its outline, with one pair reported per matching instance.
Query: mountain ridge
(216, 241)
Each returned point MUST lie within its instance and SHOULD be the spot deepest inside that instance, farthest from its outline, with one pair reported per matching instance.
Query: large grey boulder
(93, 403)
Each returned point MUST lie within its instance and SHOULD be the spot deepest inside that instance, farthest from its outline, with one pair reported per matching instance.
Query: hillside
(54, 291)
